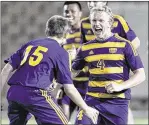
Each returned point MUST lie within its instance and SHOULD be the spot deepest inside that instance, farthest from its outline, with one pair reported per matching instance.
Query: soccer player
(110, 58)
(36, 64)
(72, 10)
(120, 26)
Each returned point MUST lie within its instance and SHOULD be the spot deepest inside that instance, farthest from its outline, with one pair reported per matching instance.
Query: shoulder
(120, 39)
(87, 44)
(122, 22)
(118, 17)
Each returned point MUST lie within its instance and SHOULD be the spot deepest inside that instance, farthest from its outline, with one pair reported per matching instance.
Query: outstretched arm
(5, 74)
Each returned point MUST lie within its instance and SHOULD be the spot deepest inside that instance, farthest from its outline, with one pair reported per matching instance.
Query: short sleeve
(79, 62)
(132, 57)
(63, 69)
(15, 59)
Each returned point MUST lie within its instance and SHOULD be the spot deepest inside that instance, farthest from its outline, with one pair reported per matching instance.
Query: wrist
(85, 108)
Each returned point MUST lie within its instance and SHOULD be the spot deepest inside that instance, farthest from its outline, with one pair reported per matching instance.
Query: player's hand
(92, 113)
(52, 87)
(113, 87)
(72, 52)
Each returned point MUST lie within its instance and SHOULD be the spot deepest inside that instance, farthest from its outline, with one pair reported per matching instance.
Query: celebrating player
(110, 58)
(120, 26)
(37, 63)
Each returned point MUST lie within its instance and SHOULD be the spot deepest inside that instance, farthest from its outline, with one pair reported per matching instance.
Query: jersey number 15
(37, 53)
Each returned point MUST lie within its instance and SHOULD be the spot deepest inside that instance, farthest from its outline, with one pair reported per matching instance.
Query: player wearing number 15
(37, 63)
(110, 58)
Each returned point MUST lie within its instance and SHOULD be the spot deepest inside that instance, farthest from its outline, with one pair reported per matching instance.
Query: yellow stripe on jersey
(105, 95)
(115, 24)
(69, 46)
(103, 83)
(103, 45)
(123, 22)
(74, 35)
(86, 25)
(109, 70)
(84, 19)
(133, 48)
(81, 78)
(104, 57)
(90, 37)
(55, 107)
(85, 69)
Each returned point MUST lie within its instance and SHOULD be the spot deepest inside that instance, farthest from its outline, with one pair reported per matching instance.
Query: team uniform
(37, 64)
(81, 80)
(120, 27)
(109, 60)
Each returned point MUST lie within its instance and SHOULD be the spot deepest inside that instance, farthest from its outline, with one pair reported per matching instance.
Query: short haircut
(73, 2)
(56, 26)
(103, 9)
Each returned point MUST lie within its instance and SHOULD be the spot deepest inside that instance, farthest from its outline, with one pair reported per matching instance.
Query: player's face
(92, 4)
(101, 25)
(73, 13)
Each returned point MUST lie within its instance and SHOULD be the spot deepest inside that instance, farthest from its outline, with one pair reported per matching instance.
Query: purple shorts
(25, 100)
(111, 111)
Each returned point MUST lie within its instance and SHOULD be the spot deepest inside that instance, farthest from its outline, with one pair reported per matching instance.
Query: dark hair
(73, 2)
(56, 26)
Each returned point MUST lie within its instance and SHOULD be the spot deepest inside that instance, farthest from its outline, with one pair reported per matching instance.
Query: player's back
(38, 63)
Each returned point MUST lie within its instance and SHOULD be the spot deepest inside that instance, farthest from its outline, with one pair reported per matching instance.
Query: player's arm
(134, 80)
(79, 62)
(5, 74)
(64, 78)
(128, 33)
(136, 66)
(12, 63)
(134, 62)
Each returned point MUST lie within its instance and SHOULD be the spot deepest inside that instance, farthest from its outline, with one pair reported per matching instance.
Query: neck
(58, 40)
(106, 36)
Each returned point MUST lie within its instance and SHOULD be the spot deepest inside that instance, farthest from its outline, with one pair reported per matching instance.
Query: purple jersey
(109, 60)
(38, 62)
(73, 38)
(120, 27)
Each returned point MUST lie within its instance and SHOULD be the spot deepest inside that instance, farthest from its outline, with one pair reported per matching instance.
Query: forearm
(135, 79)
(5, 74)
(75, 96)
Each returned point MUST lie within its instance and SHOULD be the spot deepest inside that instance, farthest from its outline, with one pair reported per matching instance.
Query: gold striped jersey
(109, 61)
(120, 27)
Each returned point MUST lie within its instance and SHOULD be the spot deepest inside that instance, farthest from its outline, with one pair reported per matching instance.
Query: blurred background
(23, 21)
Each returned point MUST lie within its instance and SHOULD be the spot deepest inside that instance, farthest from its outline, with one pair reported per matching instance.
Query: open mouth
(98, 29)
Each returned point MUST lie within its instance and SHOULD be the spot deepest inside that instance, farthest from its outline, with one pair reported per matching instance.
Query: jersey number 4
(36, 57)
(101, 64)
